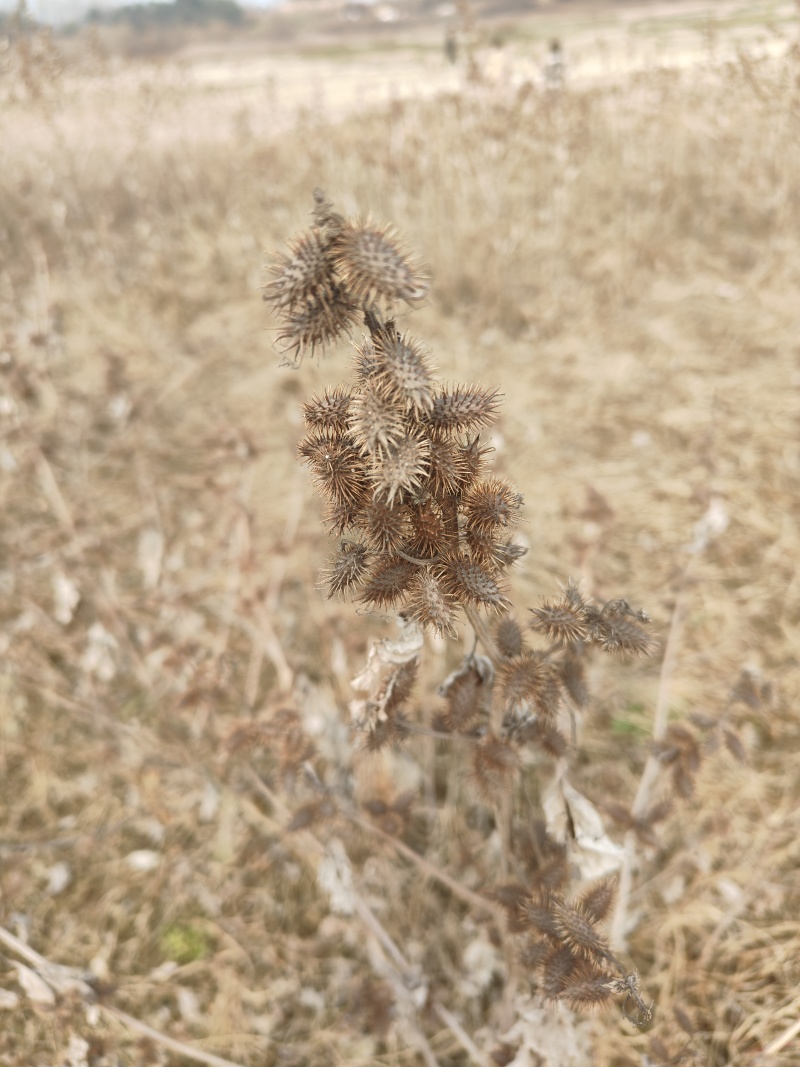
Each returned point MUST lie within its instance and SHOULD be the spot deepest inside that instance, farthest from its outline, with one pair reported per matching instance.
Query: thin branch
(652, 765)
(461, 1035)
(483, 633)
(61, 978)
(475, 900)
(781, 1042)
(179, 1047)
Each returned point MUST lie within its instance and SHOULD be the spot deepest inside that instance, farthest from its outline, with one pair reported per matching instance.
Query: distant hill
(177, 13)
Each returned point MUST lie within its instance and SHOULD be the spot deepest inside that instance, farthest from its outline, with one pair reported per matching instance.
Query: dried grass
(623, 259)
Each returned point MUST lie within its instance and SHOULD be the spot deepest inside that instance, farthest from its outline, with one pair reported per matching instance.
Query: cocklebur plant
(424, 528)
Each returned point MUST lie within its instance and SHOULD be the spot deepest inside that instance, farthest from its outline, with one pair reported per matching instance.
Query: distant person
(451, 47)
(554, 65)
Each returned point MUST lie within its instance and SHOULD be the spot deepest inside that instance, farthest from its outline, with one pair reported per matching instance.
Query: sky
(58, 11)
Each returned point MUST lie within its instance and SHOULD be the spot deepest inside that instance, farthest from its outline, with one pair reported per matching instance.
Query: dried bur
(424, 529)
(282, 737)
(331, 272)
(563, 945)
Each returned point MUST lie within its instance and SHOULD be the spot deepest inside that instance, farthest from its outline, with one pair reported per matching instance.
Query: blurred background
(607, 196)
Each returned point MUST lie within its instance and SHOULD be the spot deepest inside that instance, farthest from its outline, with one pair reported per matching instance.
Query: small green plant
(184, 943)
(425, 529)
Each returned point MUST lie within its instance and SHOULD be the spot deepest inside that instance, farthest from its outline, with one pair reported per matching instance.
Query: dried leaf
(36, 989)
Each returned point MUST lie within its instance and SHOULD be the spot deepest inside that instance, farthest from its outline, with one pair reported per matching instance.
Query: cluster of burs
(423, 527)
(395, 454)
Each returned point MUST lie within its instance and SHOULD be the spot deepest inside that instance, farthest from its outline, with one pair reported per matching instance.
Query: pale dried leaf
(36, 989)
(335, 878)
(9, 1001)
(66, 597)
(573, 820)
(547, 1037)
(143, 859)
(151, 555)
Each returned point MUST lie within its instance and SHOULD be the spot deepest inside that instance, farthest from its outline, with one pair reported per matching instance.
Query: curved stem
(484, 635)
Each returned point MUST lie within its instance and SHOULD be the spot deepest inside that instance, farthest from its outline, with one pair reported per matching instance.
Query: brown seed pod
(338, 468)
(428, 533)
(572, 673)
(530, 681)
(462, 409)
(471, 463)
(321, 319)
(342, 515)
(468, 692)
(327, 414)
(469, 582)
(400, 468)
(536, 915)
(387, 582)
(402, 371)
(375, 422)
(586, 988)
(561, 621)
(447, 467)
(385, 528)
(559, 964)
(508, 636)
(597, 901)
(577, 930)
(374, 265)
(488, 504)
(495, 766)
(347, 569)
(431, 606)
(304, 273)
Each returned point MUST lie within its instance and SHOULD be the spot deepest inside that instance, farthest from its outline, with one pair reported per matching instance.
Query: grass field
(620, 258)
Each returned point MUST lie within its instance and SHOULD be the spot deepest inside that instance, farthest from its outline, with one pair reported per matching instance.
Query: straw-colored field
(619, 257)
